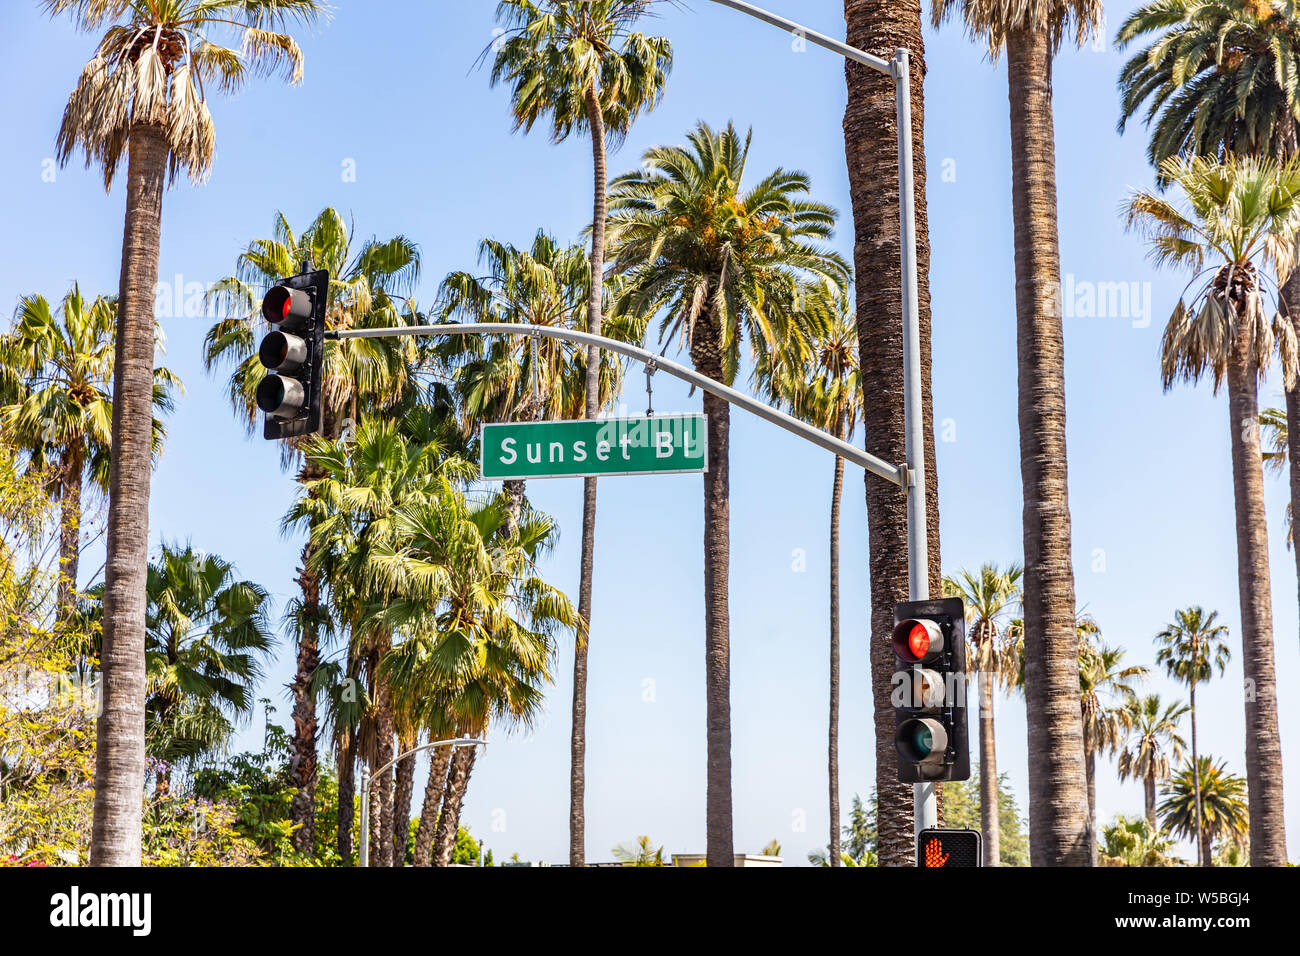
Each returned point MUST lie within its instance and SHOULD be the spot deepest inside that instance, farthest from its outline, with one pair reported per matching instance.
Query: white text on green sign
(662, 445)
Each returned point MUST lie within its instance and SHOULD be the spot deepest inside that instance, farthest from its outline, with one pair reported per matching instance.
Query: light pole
(918, 573)
(368, 779)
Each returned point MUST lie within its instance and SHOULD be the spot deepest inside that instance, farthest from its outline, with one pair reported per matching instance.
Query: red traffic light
(284, 305)
(917, 641)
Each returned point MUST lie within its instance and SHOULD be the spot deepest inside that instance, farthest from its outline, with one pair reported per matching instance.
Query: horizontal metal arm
(843, 49)
(750, 404)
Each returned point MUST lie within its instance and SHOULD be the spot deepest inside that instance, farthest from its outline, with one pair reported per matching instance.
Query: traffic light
(929, 690)
(947, 848)
(293, 353)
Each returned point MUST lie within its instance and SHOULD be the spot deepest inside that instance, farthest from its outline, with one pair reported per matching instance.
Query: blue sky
(392, 93)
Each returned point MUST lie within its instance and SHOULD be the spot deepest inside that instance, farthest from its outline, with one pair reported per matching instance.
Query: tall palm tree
(546, 285)
(1030, 35)
(62, 363)
(1219, 78)
(822, 388)
(207, 634)
(1242, 216)
(1190, 649)
(990, 594)
(1151, 745)
(582, 65)
(720, 265)
(870, 141)
(1106, 688)
(368, 282)
(142, 97)
(1206, 806)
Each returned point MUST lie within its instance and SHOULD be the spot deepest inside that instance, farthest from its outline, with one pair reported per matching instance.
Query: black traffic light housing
(929, 690)
(293, 354)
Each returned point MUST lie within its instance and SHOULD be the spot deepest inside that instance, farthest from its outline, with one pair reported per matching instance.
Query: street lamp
(368, 780)
(923, 795)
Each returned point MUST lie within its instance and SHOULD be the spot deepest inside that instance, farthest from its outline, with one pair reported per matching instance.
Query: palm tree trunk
(989, 819)
(706, 355)
(1058, 811)
(578, 740)
(302, 756)
(1090, 767)
(346, 762)
(72, 464)
(402, 801)
(433, 791)
(833, 744)
(1263, 745)
(1201, 858)
(382, 787)
(514, 490)
(119, 750)
(870, 137)
(444, 841)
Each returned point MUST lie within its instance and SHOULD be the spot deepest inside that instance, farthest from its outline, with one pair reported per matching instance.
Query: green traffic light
(923, 740)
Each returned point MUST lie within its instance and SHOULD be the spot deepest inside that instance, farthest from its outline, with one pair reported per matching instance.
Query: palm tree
(142, 96)
(62, 363)
(640, 853)
(349, 511)
(545, 285)
(207, 634)
(1128, 842)
(1104, 679)
(367, 288)
(720, 265)
(1190, 650)
(482, 623)
(1242, 215)
(1030, 35)
(821, 387)
(989, 594)
(1219, 74)
(1217, 78)
(1151, 745)
(1206, 806)
(582, 64)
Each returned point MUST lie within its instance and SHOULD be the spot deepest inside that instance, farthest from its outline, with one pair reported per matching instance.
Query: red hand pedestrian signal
(949, 849)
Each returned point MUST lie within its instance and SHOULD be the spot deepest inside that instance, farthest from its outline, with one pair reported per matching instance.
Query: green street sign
(596, 448)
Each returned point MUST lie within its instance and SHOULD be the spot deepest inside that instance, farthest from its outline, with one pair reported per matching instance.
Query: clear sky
(392, 94)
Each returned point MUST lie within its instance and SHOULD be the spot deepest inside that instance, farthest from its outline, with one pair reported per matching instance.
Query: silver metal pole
(851, 453)
(364, 849)
(924, 804)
